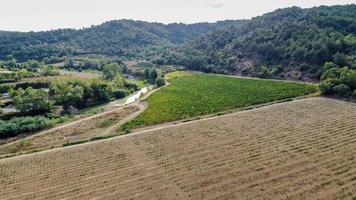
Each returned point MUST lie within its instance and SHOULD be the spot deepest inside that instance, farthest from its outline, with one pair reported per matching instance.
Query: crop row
(200, 94)
(295, 150)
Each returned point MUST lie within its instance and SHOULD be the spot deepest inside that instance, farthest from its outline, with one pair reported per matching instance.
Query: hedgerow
(24, 125)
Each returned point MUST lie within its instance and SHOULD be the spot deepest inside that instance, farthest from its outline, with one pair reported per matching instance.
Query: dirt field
(303, 149)
(100, 125)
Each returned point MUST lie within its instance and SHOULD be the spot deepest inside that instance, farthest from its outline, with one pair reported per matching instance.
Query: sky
(39, 15)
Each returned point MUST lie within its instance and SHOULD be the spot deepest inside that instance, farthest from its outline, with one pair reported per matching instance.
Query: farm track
(304, 149)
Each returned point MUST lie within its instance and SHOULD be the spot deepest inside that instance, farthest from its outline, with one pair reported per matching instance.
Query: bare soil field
(100, 125)
(304, 149)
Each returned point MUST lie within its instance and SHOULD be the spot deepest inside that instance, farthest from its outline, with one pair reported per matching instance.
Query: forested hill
(288, 43)
(114, 38)
(292, 43)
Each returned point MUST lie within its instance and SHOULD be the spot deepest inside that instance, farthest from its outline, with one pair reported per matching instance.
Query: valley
(250, 108)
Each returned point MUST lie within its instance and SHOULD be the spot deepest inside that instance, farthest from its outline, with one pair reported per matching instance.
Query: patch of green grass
(25, 143)
(199, 94)
(178, 74)
(141, 83)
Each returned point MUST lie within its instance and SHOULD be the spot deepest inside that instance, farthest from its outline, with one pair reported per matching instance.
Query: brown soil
(303, 149)
(100, 125)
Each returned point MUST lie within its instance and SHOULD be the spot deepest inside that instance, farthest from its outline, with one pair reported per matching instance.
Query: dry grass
(84, 129)
(296, 150)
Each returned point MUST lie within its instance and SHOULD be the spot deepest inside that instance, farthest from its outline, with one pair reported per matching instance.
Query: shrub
(160, 82)
(120, 93)
(340, 81)
(20, 125)
(49, 71)
(354, 94)
(342, 89)
(31, 101)
(326, 87)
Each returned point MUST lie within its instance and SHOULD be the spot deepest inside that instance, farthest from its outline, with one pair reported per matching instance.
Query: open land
(87, 129)
(303, 149)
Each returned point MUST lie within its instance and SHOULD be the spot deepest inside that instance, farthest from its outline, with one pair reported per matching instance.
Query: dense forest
(291, 43)
(123, 38)
(287, 43)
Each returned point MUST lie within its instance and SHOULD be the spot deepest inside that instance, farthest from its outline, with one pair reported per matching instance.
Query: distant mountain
(114, 38)
(290, 43)
(287, 43)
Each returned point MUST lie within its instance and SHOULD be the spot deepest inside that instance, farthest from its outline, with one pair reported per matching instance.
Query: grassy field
(190, 95)
(302, 149)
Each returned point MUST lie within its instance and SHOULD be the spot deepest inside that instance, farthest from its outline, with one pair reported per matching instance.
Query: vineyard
(302, 149)
(190, 95)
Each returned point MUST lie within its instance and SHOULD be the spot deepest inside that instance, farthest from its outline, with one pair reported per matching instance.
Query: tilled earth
(100, 125)
(303, 149)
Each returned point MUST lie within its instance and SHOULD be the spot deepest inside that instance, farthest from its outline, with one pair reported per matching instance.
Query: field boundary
(227, 112)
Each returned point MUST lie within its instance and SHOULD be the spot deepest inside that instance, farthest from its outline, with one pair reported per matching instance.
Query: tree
(348, 77)
(151, 75)
(110, 71)
(1, 104)
(340, 81)
(69, 63)
(147, 73)
(68, 94)
(340, 59)
(342, 89)
(32, 65)
(31, 101)
(160, 82)
(119, 81)
(120, 93)
(102, 91)
(75, 96)
(326, 87)
(49, 71)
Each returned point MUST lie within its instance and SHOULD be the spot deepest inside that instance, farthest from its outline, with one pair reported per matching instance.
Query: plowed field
(303, 149)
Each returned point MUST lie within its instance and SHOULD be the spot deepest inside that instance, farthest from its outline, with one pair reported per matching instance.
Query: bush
(340, 81)
(49, 71)
(160, 82)
(326, 87)
(20, 125)
(31, 101)
(354, 94)
(120, 93)
(342, 89)
(4, 88)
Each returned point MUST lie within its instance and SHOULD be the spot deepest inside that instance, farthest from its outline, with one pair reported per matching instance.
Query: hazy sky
(26, 15)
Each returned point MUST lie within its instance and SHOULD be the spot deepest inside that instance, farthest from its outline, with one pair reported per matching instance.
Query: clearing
(193, 94)
(303, 149)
